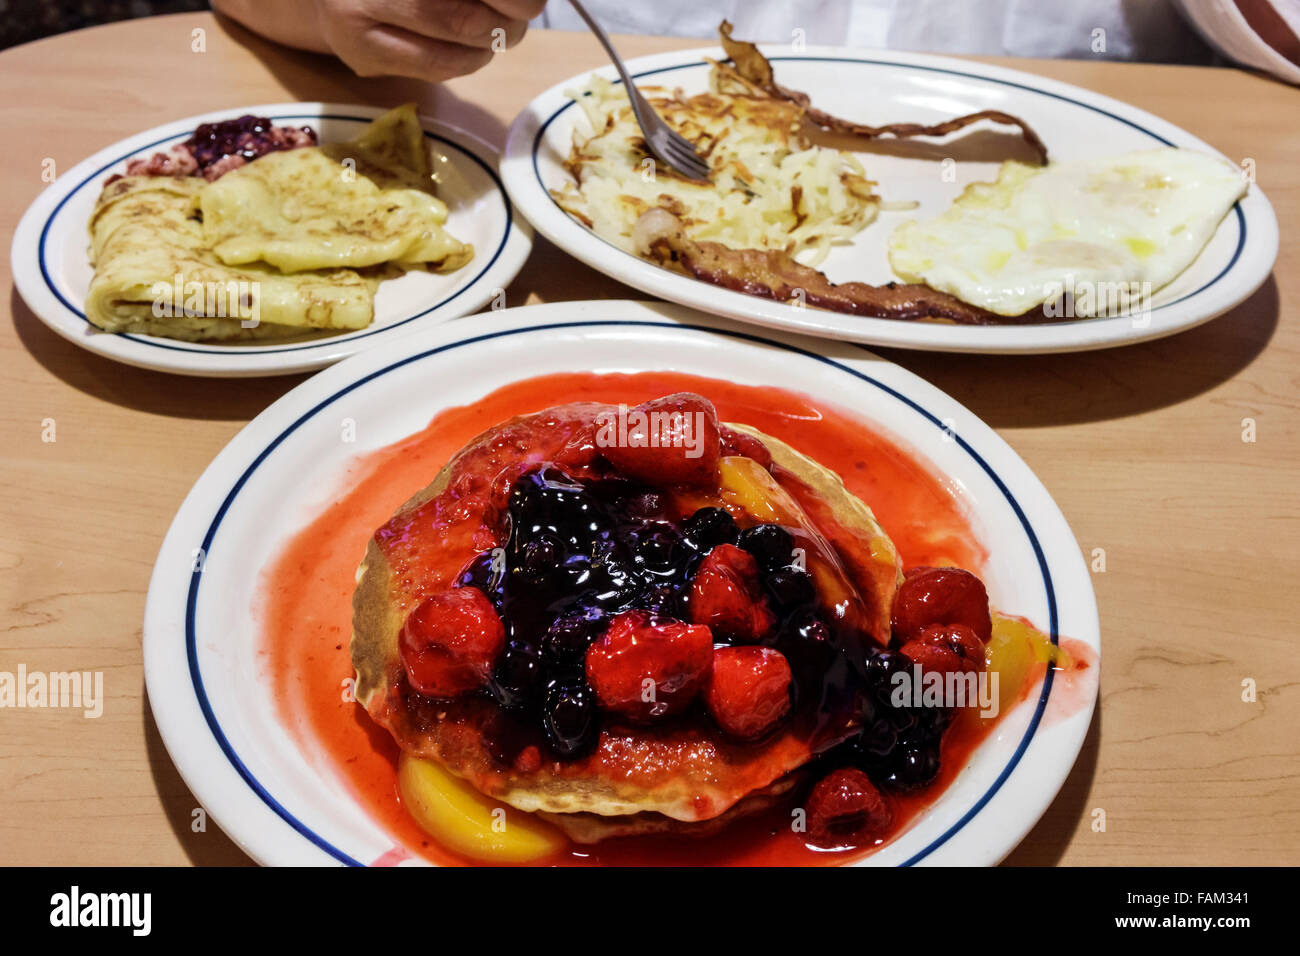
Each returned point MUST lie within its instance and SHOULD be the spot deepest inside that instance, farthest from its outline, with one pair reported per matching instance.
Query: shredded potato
(770, 188)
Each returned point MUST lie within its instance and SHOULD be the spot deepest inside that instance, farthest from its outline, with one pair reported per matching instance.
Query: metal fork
(663, 143)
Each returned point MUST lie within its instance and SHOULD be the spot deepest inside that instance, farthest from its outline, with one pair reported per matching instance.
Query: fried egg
(1110, 230)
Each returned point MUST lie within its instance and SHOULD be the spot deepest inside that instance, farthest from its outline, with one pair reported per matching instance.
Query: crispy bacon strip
(774, 274)
(754, 71)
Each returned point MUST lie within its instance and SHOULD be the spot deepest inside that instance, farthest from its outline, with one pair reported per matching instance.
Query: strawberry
(648, 666)
(450, 641)
(668, 441)
(846, 807)
(727, 596)
(747, 446)
(940, 596)
(748, 691)
(946, 648)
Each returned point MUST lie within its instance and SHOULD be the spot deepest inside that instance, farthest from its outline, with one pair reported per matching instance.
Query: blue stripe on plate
(191, 637)
(1241, 216)
(253, 350)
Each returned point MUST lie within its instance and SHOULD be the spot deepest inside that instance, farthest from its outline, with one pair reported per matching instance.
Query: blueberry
(570, 719)
(577, 571)
(647, 504)
(770, 544)
(516, 675)
(653, 546)
(487, 573)
(611, 561)
(813, 631)
(548, 500)
(882, 666)
(708, 528)
(538, 557)
(903, 718)
(914, 768)
(663, 598)
(568, 638)
(934, 721)
(791, 587)
(879, 738)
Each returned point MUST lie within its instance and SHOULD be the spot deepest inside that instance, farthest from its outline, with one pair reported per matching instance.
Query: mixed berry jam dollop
(216, 148)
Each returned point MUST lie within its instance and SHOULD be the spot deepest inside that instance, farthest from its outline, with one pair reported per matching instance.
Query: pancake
(649, 778)
(592, 827)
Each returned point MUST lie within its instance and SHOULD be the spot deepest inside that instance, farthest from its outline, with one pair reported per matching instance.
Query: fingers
(468, 22)
(431, 40)
(518, 9)
(385, 50)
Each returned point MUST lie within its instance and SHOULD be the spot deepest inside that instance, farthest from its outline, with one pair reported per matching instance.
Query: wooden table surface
(1142, 447)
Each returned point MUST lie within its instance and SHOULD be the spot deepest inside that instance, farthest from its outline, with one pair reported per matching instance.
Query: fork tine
(685, 160)
(692, 158)
(680, 140)
(696, 170)
(681, 147)
(682, 166)
(680, 153)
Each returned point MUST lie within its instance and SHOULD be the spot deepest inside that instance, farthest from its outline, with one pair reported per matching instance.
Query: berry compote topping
(618, 604)
(625, 593)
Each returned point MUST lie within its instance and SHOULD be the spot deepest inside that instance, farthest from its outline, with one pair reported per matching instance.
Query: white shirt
(1225, 28)
(1150, 30)
(1145, 30)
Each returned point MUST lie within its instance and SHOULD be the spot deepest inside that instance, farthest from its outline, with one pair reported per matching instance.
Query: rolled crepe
(292, 242)
(154, 275)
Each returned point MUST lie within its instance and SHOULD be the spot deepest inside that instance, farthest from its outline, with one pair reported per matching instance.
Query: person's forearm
(291, 22)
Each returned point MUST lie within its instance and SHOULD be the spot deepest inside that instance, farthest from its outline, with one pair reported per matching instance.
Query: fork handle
(604, 41)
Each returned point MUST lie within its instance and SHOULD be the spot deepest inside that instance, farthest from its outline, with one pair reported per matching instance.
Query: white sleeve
(1225, 27)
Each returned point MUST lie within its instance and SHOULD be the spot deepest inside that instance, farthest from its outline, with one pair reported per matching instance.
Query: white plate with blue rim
(52, 269)
(878, 87)
(213, 700)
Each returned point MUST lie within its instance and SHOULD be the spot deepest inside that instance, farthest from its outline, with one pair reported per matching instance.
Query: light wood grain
(1140, 446)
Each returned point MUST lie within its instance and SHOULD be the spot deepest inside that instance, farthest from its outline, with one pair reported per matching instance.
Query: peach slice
(466, 821)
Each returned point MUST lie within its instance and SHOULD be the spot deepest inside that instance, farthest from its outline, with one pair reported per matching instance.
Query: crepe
(154, 275)
(649, 777)
(392, 145)
(294, 241)
(300, 210)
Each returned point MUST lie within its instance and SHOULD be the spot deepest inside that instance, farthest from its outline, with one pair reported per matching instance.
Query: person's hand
(430, 40)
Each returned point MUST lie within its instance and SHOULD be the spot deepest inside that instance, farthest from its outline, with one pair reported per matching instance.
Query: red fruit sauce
(308, 597)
